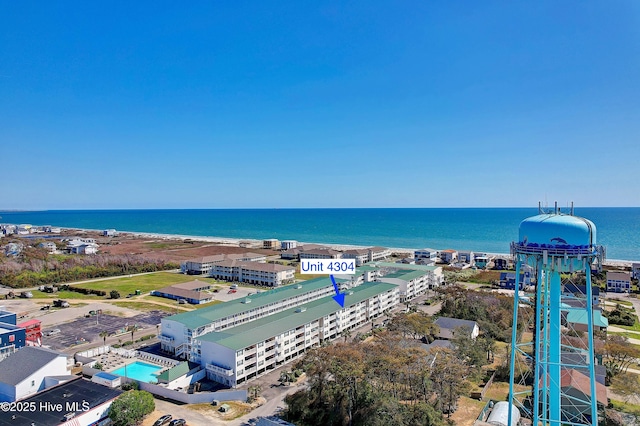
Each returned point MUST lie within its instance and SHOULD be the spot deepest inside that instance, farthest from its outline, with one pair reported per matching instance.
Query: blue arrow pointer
(339, 297)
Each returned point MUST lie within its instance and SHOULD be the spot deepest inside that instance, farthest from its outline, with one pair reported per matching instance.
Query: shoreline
(236, 243)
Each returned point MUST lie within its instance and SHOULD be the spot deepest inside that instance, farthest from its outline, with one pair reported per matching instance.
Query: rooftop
(78, 390)
(250, 333)
(204, 316)
(23, 363)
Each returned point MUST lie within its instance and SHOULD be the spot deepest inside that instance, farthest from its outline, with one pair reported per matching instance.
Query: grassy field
(148, 307)
(620, 302)
(144, 283)
(64, 295)
(626, 407)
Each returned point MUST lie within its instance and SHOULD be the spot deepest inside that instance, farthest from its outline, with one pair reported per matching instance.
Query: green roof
(256, 331)
(177, 371)
(405, 275)
(579, 316)
(210, 314)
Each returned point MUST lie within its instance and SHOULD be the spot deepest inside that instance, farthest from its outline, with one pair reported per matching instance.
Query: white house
(618, 282)
(428, 254)
(465, 256)
(449, 327)
(635, 271)
(288, 244)
(82, 247)
(109, 233)
(29, 370)
(448, 256)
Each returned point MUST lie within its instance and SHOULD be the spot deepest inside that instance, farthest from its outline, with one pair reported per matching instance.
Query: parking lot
(84, 330)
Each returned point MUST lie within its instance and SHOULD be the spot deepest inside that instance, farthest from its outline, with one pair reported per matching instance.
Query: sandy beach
(235, 242)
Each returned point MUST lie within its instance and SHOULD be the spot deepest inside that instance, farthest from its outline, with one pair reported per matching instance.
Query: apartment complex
(266, 274)
(249, 350)
(179, 332)
(618, 282)
(364, 255)
(241, 339)
(203, 265)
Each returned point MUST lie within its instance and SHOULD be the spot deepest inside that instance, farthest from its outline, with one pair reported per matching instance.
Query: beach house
(618, 282)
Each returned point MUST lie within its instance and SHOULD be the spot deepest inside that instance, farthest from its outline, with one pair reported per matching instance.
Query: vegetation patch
(146, 307)
(144, 283)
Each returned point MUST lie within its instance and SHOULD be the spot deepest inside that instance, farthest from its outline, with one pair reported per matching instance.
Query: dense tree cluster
(131, 407)
(37, 267)
(493, 312)
(621, 316)
(381, 383)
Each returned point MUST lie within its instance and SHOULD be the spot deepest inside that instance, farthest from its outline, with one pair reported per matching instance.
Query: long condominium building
(203, 265)
(179, 331)
(237, 354)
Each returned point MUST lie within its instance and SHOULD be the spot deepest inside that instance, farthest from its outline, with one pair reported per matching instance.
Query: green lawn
(628, 335)
(634, 327)
(64, 295)
(626, 407)
(144, 283)
(620, 302)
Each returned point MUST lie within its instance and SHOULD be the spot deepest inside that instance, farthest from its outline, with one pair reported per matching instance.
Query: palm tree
(132, 329)
(104, 335)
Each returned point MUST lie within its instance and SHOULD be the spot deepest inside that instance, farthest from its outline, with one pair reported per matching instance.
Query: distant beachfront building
(82, 246)
(481, 260)
(465, 256)
(203, 265)
(426, 256)
(288, 244)
(270, 244)
(293, 253)
(326, 253)
(109, 233)
(448, 256)
(364, 255)
(618, 282)
(635, 271)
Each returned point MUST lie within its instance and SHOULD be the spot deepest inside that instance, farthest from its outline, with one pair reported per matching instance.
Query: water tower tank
(557, 230)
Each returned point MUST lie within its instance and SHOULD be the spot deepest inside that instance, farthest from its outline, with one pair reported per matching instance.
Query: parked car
(178, 422)
(52, 332)
(182, 301)
(163, 420)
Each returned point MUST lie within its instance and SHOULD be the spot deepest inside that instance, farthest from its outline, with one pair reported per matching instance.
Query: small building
(109, 233)
(30, 370)
(499, 415)
(576, 389)
(106, 379)
(500, 263)
(49, 246)
(194, 292)
(324, 253)
(579, 291)
(82, 246)
(181, 375)
(288, 244)
(508, 280)
(426, 253)
(635, 271)
(33, 332)
(12, 336)
(449, 326)
(270, 244)
(465, 256)
(618, 282)
(481, 260)
(578, 320)
(448, 256)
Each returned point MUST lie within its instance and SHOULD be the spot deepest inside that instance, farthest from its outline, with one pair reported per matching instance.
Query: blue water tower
(555, 243)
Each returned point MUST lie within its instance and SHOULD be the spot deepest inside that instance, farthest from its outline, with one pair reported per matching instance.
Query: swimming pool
(138, 370)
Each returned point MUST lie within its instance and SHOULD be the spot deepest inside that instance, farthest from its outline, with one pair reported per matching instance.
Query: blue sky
(319, 104)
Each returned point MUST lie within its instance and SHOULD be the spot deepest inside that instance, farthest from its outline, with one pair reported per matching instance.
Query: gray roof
(438, 344)
(453, 323)
(29, 359)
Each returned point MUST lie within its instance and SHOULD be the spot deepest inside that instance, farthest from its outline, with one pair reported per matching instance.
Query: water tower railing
(556, 249)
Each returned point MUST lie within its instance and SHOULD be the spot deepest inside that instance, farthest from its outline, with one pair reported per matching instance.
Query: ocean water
(479, 229)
